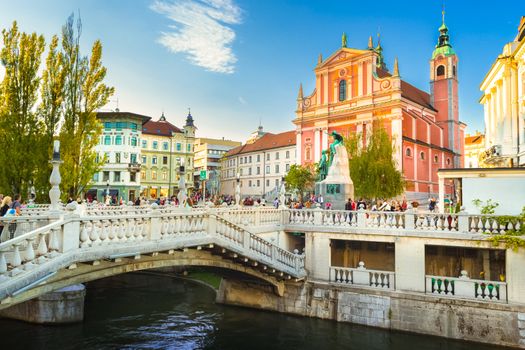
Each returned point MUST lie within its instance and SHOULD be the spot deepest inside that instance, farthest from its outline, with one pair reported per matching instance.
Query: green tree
(20, 127)
(300, 178)
(84, 93)
(372, 167)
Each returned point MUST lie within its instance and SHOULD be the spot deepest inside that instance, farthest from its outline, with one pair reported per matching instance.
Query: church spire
(343, 40)
(370, 43)
(320, 59)
(300, 94)
(443, 46)
(380, 63)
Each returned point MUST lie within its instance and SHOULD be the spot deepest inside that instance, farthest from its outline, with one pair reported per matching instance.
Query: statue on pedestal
(323, 166)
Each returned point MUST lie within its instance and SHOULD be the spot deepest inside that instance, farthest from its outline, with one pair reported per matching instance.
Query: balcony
(134, 167)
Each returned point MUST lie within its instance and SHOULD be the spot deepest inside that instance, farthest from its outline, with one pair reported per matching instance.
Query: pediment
(341, 55)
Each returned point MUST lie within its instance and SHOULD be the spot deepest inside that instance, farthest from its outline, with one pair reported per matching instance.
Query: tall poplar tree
(84, 93)
(20, 126)
(372, 166)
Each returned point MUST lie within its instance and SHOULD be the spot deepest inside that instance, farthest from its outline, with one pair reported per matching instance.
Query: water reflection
(138, 311)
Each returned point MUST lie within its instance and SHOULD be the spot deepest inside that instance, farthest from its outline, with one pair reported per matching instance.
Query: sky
(238, 63)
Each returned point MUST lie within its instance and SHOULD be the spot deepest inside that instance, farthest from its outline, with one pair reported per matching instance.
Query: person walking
(4, 207)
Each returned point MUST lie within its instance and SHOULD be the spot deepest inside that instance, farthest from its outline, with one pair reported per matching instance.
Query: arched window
(448, 161)
(408, 152)
(454, 70)
(436, 159)
(422, 155)
(342, 90)
(440, 70)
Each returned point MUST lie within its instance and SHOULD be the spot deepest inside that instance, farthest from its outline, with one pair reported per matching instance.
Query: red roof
(160, 127)
(410, 92)
(474, 139)
(267, 141)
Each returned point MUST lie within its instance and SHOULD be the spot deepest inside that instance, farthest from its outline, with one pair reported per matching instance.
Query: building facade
(119, 145)
(164, 149)
(259, 166)
(208, 154)
(354, 88)
(504, 105)
(474, 148)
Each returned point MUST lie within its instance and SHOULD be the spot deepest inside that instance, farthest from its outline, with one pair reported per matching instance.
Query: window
(155, 145)
(143, 175)
(133, 158)
(408, 152)
(258, 157)
(106, 155)
(276, 182)
(277, 168)
(454, 70)
(107, 140)
(134, 126)
(249, 171)
(144, 144)
(267, 169)
(120, 125)
(258, 172)
(448, 161)
(95, 177)
(144, 159)
(117, 176)
(165, 160)
(154, 160)
(287, 154)
(267, 183)
(117, 157)
(179, 147)
(165, 146)
(105, 176)
(241, 161)
(258, 183)
(268, 156)
(107, 125)
(276, 155)
(134, 141)
(342, 90)
(250, 159)
(164, 175)
(440, 70)
(422, 155)
(132, 177)
(287, 167)
(118, 140)
(154, 175)
(250, 183)
(436, 159)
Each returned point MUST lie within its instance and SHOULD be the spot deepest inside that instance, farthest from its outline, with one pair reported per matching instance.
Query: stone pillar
(515, 278)
(410, 264)
(65, 305)
(155, 227)
(319, 255)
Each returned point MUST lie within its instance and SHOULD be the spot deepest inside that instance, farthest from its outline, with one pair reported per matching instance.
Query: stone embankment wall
(500, 324)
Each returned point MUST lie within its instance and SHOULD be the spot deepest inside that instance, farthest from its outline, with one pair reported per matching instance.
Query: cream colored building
(474, 147)
(164, 149)
(260, 165)
(208, 154)
(504, 105)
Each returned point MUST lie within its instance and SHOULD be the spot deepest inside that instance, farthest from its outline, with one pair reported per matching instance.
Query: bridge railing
(14, 226)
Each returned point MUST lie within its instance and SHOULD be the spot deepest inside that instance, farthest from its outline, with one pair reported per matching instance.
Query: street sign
(203, 175)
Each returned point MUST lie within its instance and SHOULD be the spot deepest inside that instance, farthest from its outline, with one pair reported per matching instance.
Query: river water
(144, 311)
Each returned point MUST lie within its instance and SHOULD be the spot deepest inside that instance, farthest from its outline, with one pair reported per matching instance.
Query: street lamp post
(55, 179)
(182, 196)
(238, 189)
(107, 200)
(282, 194)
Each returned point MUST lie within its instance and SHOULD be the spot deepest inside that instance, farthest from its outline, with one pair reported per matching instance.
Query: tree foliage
(300, 178)
(372, 166)
(36, 108)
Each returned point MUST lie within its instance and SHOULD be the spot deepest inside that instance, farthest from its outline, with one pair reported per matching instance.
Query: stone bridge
(53, 250)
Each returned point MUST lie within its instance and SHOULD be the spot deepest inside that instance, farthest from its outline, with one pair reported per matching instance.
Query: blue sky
(235, 62)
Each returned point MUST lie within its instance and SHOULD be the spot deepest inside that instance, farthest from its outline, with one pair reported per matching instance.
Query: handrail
(29, 234)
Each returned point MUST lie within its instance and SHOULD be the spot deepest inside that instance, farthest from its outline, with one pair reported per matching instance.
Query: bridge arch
(94, 270)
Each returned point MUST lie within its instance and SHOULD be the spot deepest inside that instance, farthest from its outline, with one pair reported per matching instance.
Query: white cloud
(201, 31)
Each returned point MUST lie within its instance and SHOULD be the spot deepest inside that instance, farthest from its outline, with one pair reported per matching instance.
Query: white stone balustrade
(464, 287)
(361, 276)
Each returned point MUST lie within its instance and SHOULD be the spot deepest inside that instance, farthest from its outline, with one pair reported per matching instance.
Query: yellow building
(165, 149)
(504, 105)
(208, 153)
(474, 147)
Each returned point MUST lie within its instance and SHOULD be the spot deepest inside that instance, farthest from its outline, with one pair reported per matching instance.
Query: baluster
(129, 229)
(104, 230)
(453, 223)
(137, 235)
(84, 237)
(29, 253)
(495, 225)
(42, 246)
(121, 229)
(93, 235)
(479, 290)
(113, 228)
(16, 260)
(3, 264)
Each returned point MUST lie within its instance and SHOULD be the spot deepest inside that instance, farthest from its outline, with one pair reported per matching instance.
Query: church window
(454, 70)
(448, 161)
(422, 155)
(436, 159)
(342, 90)
(408, 152)
(440, 70)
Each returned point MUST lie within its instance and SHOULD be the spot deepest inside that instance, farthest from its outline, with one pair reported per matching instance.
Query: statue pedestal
(337, 187)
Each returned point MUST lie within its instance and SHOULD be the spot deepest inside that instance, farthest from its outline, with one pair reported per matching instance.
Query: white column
(317, 144)
(397, 138)
(298, 148)
(514, 109)
(486, 112)
(494, 117)
(410, 264)
(360, 79)
(324, 136)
